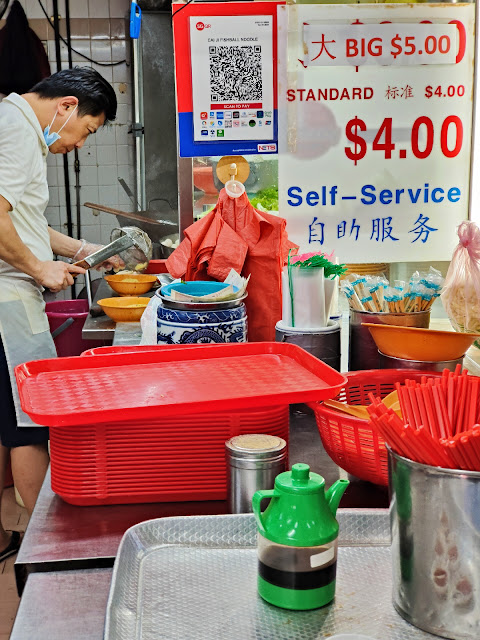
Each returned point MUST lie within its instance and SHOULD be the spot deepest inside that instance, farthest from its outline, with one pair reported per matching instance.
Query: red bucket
(67, 317)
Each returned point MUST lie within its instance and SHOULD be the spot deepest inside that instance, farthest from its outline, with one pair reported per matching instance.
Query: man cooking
(57, 115)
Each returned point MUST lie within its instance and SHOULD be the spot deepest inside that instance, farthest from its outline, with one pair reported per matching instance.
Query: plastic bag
(148, 322)
(461, 293)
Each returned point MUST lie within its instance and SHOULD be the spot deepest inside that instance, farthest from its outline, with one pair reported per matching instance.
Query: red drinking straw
(454, 454)
(416, 411)
(450, 398)
(440, 419)
(460, 408)
(469, 453)
(425, 420)
(475, 439)
(472, 401)
(430, 405)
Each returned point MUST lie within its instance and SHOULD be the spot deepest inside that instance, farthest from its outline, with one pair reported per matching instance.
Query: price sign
(375, 163)
(385, 44)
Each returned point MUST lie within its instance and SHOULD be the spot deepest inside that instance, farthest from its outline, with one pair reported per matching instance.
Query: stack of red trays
(151, 425)
(171, 459)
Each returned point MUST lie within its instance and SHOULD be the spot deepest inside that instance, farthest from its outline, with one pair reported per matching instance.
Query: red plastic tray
(172, 382)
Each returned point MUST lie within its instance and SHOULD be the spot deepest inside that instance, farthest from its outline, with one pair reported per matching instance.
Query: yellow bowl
(424, 345)
(124, 309)
(127, 284)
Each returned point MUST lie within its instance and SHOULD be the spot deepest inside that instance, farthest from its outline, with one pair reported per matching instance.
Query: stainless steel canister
(323, 343)
(253, 462)
(435, 521)
(362, 350)
(390, 362)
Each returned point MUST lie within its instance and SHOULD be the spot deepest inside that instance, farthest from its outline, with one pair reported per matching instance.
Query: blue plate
(195, 288)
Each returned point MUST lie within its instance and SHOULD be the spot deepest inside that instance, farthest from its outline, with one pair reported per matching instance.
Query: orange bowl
(126, 309)
(127, 284)
(425, 345)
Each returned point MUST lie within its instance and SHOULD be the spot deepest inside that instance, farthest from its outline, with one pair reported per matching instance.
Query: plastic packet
(461, 293)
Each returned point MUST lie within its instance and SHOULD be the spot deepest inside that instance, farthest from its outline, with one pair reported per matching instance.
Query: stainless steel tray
(194, 578)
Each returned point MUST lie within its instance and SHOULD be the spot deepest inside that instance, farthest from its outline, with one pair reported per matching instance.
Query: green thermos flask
(297, 539)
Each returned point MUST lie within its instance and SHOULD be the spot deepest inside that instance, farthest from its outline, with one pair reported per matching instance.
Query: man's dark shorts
(10, 434)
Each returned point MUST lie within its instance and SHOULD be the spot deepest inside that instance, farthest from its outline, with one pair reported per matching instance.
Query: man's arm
(54, 275)
(63, 245)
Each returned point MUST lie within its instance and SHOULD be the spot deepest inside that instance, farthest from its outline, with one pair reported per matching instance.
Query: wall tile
(52, 215)
(107, 176)
(119, 8)
(89, 176)
(40, 27)
(52, 176)
(78, 9)
(100, 29)
(121, 134)
(89, 194)
(87, 155)
(81, 47)
(53, 200)
(125, 154)
(123, 92)
(119, 50)
(105, 135)
(121, 73)
(118, 28)
(33, 9)
(98, 9)
(91, 233)
(123, 114)
(104, 71)
(101, 51)
(79, 28)
(107, 155)
(109, 197)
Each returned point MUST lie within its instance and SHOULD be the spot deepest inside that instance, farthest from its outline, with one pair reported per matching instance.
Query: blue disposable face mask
(50, 138)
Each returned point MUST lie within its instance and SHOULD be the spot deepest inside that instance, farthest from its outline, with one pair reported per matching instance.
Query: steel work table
(101, 327)
(63, 537)
(63, 604)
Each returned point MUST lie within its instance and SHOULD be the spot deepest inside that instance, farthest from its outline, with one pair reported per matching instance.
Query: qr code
(236, 73)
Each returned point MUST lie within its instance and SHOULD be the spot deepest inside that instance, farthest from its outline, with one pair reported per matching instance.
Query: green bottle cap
(300, 480)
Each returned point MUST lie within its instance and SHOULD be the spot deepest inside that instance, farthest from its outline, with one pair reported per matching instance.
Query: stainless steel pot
(390, 362)
(362, 350)
(435, 523)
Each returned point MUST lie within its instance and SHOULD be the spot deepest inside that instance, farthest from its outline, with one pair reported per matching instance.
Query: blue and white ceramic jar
(175, 326)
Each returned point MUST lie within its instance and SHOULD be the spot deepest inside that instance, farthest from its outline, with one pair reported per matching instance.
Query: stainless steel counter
(65, 604)
(101, 327)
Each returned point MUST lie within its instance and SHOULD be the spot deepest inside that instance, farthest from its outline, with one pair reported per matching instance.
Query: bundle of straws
(374, 293)
(440, 425)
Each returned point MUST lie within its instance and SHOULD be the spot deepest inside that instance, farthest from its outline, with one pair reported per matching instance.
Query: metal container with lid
(253, 463)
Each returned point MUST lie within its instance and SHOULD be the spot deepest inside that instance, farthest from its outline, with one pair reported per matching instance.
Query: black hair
(95, 95)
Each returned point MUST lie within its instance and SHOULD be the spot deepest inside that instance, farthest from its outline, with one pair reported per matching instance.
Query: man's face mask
(50, 138)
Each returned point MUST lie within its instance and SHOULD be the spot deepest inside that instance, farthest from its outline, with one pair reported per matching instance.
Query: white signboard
(232, 78)
(374, 162)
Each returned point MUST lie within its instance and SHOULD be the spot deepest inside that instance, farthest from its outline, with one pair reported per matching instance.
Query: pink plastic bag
(461, 293)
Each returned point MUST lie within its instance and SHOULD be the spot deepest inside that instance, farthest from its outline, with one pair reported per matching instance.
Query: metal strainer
(136, 258)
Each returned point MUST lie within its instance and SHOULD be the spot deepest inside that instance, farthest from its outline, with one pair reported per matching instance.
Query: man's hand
(56, 275)
(87, 248)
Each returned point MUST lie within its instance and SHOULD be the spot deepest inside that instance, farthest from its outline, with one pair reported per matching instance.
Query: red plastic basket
(351, 442)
